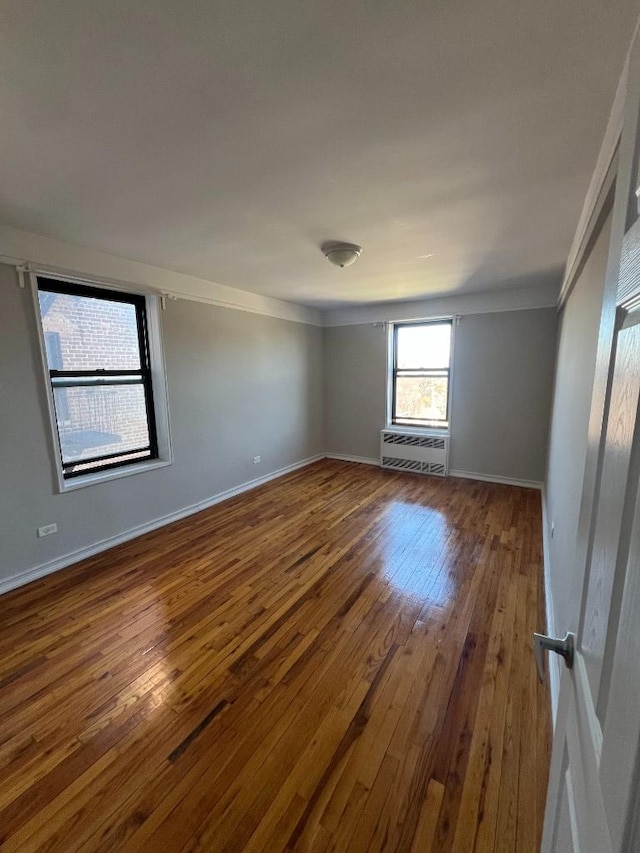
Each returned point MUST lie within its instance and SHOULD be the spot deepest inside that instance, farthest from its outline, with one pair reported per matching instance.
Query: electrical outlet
(47, 530)
(256, 459)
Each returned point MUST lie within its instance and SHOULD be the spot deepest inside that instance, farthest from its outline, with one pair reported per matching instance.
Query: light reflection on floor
(414, 553)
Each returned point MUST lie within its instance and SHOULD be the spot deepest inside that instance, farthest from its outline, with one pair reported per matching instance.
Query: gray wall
(501, 400)
(239, 385)
(568, 440)
(355, 359)
(501, 394)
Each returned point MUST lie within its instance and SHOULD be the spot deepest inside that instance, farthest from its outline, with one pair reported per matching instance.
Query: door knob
(562, 647)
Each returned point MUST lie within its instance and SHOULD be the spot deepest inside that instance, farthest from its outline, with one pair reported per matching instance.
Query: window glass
(421, 398)
(101, 420)
(91, 333)
(424, 346)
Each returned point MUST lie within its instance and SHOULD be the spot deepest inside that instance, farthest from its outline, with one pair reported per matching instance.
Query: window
(421, 373)
(97, 351)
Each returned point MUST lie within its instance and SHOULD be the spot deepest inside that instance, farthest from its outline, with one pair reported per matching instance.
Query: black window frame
(399, 372)
(101, 377)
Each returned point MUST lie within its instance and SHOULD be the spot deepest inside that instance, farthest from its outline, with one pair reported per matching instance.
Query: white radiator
(427, 454)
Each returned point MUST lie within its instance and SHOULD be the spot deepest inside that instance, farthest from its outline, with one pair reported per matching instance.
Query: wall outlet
(47, 530)
(256, 459)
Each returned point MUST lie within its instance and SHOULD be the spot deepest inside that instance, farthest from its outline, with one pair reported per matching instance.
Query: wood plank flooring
(339, 660)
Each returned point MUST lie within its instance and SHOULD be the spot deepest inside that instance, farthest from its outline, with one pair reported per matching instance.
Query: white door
(595, 773)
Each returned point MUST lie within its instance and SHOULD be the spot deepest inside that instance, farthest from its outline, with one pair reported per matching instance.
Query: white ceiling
(228, 140)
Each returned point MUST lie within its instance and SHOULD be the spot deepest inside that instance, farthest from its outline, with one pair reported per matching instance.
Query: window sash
(103, 377)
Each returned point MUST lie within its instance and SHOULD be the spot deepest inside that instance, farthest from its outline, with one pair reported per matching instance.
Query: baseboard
(343, 457)
(554, 660)
(489, 478)
(469, 475)
(7, 584)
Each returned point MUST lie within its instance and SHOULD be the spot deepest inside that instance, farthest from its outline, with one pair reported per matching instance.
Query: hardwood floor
(339, 660)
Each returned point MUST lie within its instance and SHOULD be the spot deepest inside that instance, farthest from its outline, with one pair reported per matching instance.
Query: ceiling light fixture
(341, 254)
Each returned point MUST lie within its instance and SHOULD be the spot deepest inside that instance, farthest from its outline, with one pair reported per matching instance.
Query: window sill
(74, 483)
(430, 431)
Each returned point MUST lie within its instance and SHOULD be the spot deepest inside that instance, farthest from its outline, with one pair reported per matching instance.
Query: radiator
(427, 454)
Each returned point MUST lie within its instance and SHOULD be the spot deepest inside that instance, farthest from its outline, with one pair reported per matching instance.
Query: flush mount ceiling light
(341, 254)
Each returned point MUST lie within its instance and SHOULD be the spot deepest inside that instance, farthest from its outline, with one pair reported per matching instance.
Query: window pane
(424, 346)
(100, 421)
(422, 397)
(83, 333)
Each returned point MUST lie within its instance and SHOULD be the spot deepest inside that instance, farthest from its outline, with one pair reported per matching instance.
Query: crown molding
(543, 295)
(46, 254)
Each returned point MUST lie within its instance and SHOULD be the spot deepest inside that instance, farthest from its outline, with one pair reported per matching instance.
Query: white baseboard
(51, 566)
(554, 660)
(469, 475)
(343, 457)
(488, 478)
